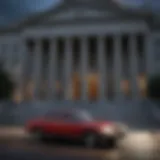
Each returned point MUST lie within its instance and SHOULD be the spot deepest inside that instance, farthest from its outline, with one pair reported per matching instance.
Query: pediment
(69, 15)
(77, 12)
(80, 13)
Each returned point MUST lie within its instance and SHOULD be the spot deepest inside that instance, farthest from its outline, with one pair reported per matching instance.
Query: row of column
(102, 63)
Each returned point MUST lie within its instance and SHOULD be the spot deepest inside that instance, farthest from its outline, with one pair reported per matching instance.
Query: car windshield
(84, 116)
(77, 115)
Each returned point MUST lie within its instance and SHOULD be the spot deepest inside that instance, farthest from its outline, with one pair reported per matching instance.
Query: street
(16, 145)
(27, 150)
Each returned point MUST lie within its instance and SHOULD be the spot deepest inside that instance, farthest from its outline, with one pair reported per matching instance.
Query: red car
(74, 124)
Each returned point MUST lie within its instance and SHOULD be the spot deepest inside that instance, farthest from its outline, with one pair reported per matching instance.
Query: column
(37, 68)
(84, 68)
(117, 68)
(102, 64)
(133, 56)
(149, 56)
(22, 56)
(52, 74)
(68, 68)
(9, 52)
(13, 53)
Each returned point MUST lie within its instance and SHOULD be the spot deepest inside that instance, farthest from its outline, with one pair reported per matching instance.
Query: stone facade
(106, 46)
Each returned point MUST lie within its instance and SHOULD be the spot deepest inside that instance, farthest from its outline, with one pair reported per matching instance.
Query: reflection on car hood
(99, 123)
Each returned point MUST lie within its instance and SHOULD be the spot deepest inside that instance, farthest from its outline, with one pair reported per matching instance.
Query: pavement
(16, 154)
(12, 132)
(15, 145)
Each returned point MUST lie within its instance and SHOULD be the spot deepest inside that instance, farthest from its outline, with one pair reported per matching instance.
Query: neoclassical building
(80, 50)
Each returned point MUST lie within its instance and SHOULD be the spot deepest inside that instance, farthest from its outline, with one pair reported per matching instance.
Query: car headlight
(107, 130)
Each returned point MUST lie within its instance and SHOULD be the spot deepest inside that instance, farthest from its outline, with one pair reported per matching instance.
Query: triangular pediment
(79, 13)
(71, 10)
(75, 10)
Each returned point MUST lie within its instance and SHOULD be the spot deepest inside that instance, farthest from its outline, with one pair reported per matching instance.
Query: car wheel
(90, 140)
(110, 143)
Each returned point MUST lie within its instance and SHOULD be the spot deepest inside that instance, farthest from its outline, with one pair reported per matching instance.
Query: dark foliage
(154, 87)
(6, 85)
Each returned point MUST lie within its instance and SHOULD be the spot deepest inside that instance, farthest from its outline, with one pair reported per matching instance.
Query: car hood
(100, 123)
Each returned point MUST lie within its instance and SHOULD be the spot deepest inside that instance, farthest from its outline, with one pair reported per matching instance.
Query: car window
(83, 116)
(67, 117)
(53, 116)
(77, 116)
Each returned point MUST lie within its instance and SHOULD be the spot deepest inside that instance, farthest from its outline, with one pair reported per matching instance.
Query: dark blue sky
(12, 10)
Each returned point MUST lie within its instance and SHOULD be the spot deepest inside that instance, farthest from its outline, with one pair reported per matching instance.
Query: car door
(71, 126)
(54, 124)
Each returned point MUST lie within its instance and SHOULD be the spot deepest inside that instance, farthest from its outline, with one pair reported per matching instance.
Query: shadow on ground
(58, 150)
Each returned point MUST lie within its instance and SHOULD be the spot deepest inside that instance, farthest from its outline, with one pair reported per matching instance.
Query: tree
(6, 84)
(154, 87)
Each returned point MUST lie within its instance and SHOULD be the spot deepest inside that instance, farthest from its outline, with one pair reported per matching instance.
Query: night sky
(13, 10)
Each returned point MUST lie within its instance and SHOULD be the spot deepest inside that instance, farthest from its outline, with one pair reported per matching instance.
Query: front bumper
(106, 140)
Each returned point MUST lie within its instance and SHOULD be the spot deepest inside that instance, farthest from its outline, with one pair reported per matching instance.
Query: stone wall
(142, 114)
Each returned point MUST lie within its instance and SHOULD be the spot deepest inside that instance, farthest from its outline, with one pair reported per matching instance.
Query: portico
(61, 57)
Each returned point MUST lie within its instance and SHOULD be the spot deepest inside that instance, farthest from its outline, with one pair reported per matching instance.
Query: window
(78, 116)
(84, 116)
